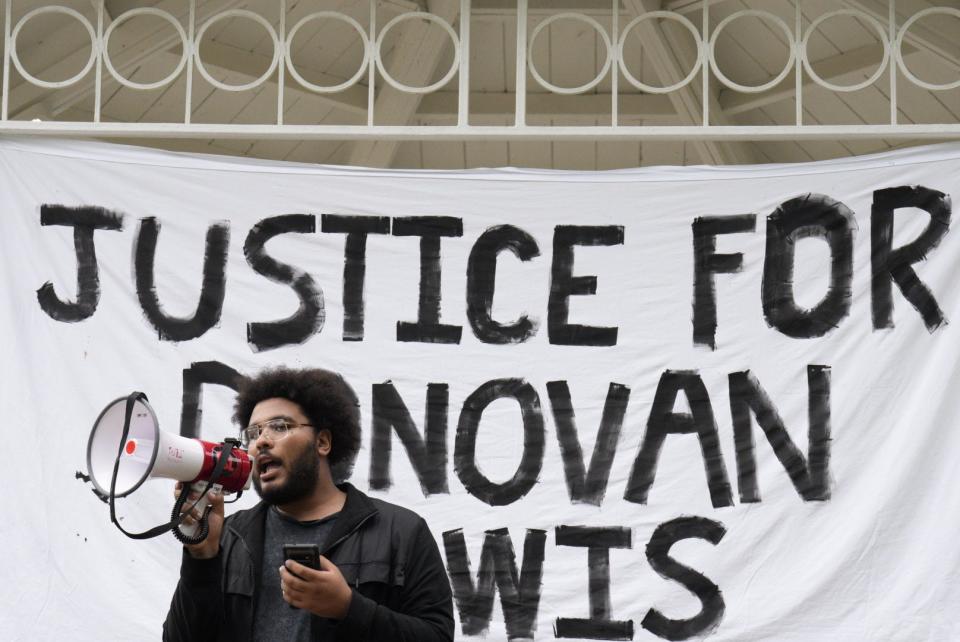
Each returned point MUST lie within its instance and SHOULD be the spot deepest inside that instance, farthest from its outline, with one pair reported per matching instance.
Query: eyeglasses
(276, 428)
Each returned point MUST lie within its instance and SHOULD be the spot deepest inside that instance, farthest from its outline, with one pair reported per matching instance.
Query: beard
(301, 481)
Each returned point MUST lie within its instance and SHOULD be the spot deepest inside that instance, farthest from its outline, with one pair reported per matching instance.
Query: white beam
(490, 133)
(415, 59)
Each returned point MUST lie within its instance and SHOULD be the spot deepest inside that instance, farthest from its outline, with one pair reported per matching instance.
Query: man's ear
(324, 442)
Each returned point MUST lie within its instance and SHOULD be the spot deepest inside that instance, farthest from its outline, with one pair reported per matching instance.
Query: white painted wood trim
(454, 133)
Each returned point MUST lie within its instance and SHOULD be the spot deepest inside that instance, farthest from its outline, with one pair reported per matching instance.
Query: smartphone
(306, 554)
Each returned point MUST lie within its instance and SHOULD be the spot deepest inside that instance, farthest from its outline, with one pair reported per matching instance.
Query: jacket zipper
(327, 549)
(353, 530)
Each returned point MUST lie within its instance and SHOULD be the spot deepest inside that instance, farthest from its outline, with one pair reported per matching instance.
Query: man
(381, 576)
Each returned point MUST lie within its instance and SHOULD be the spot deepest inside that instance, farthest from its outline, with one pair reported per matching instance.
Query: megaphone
(127, 447)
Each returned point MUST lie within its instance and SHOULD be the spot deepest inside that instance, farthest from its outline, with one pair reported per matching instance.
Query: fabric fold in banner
(651, 404)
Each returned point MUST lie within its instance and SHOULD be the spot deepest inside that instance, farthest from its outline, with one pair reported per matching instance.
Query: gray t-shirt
(274, 619)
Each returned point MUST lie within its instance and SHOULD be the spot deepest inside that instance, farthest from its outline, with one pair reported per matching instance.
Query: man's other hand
(323, 592)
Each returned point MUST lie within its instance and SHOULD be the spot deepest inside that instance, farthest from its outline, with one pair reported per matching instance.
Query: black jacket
(385, 552)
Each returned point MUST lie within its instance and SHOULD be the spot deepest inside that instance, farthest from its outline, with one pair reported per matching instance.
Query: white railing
(704, 121)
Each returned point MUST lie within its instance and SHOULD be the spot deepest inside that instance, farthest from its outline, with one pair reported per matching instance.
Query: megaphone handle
(202, 505)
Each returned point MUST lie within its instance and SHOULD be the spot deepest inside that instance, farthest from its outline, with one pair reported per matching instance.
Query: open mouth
(268, 468)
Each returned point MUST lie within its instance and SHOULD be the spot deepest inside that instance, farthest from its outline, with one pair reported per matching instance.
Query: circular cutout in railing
(52, 84)
(244, 14)
(936, 58)
(429, 17)
(773, 82)
(664, 15)
(597, 27)
(859, 15)
(117, 27)
(291, 51)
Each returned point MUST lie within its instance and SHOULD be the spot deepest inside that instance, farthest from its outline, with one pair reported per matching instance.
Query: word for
(819, 216)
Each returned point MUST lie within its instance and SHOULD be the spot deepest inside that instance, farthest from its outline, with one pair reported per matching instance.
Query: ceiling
(751, 50)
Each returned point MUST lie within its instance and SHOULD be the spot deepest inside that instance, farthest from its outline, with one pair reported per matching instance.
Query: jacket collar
(357, 508)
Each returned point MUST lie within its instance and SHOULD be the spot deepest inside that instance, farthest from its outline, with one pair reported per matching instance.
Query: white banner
(650, 404)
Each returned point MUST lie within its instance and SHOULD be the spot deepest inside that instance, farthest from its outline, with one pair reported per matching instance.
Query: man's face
(285, 469)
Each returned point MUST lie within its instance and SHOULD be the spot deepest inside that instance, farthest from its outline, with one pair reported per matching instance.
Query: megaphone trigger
(195, 532)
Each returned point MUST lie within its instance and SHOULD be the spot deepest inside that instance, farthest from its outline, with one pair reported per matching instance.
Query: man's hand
(210, 546)
(324, 592)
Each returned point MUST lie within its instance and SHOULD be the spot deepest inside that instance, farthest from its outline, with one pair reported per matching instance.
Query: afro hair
(328, 402)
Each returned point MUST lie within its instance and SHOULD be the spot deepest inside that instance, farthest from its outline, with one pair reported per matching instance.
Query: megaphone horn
(151, 452)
